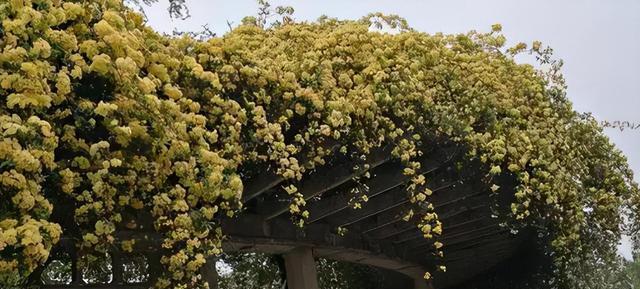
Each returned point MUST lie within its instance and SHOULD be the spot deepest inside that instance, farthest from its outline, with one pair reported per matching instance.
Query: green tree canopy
(97, 108)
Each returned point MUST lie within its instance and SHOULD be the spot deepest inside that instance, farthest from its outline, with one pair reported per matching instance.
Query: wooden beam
(468, 242)
(385, 202)
(412, 233)
(209, 273)
(383, 179)
(466, 190)
(260, 184)
(327, 178)
(417, 237)
(445, 212)
(490, 246)
(420, 283)
(268, 178)
(415, 240)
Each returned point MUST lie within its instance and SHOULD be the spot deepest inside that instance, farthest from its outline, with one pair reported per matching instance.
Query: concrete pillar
(209, 273)
(301, 269)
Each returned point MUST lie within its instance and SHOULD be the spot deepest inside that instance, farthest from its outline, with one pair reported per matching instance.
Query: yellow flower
(172, 92)
(113, 18)
(115, 162)
(30, 68)
(127, 68)
(90, 239)
(41, 48)
(438, 228)
(90, 48)
(127, 245)
(101, 64)
(146, 85)
(103, 228)
(103, 28)
(73, 10)
(105, 109)
(137, 204)
(427, 276)
(63, 83)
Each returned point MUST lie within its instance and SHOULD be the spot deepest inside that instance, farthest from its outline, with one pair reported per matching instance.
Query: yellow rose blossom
(101, 64)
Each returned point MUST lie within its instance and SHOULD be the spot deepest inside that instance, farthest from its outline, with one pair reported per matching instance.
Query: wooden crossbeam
(387, 222)
(490, 228)
(385, 202)
(492, 241)
(472, 218)
(268, 179)
(327, 178)
(383, 179)
(260, 184)
(499, 232)
(406, 235)
(448, 214)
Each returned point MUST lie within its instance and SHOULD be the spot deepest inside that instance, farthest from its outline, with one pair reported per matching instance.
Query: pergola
(475, 241)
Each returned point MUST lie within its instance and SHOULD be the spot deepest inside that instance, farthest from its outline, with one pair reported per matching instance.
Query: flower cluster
(26, 155)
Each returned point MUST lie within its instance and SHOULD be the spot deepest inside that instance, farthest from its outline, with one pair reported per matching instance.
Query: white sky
(598, 40)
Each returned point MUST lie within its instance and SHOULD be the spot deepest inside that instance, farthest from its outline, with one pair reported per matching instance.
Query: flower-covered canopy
(97, 108)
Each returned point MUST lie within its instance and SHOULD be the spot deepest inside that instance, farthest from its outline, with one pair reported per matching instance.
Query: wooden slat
(385, 178)
(327, 178)
(404, 235)
(447, 214)
(268, 179)
(499, 233)
(393, 199)
(470, 217)
(443, 202)
(260, 184)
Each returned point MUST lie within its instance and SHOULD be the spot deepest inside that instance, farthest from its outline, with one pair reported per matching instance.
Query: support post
(301, 269)
(116, 267)
(209, 273)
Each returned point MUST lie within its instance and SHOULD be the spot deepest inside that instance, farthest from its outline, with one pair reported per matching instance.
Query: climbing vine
(98, 108)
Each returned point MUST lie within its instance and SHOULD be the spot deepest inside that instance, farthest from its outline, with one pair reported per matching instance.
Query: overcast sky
(598, 40)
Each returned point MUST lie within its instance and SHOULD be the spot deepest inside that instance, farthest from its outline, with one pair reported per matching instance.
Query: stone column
(209, 273)
(301, 269)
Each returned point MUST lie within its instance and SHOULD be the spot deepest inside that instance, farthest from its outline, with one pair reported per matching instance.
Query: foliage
(250, 271)
(632, 271)
(177, 8)
(262, 271)
(343, 275)
(100, 109)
